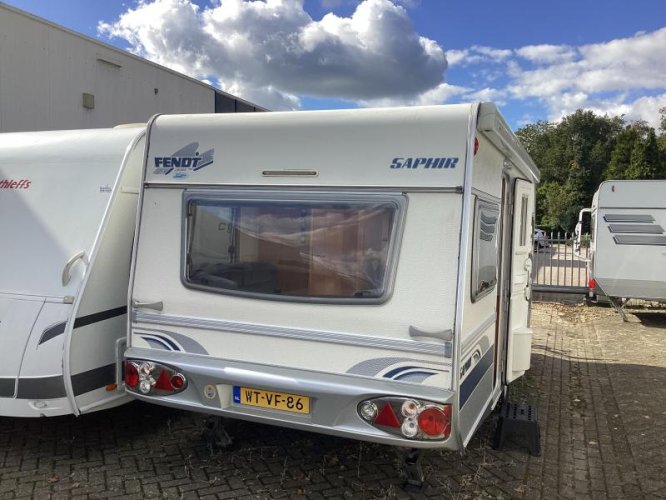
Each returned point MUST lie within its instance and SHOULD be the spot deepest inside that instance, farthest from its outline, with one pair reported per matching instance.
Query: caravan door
(519, 334)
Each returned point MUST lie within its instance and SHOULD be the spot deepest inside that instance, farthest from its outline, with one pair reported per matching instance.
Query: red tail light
(131, 375)
(408, 418)
(153, 379)
(435, 422)
(592, 284)
(476, 146)
(177, 381)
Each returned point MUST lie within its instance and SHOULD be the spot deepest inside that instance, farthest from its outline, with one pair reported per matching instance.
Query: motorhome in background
(627, 256)
(67, 214)
(363, 273)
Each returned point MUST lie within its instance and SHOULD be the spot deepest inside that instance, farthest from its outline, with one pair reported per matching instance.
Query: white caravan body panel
(61, 195)
(324, 254)
(629, 243)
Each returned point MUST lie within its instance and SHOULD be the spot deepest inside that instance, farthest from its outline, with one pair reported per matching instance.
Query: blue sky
(537, 60)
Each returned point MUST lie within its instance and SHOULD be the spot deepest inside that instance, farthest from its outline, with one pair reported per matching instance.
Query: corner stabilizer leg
(412, 459)
(215, 435)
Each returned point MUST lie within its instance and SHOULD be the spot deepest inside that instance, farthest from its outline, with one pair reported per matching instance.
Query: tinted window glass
(308, 249)
(484, 259)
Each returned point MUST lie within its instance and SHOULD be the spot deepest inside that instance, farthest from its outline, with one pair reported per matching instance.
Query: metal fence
(556, 267)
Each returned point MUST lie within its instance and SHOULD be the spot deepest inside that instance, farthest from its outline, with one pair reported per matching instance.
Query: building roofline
(108, 46)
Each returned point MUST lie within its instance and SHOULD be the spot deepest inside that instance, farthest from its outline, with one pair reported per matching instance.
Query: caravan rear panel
(303, 269)
(629, 247)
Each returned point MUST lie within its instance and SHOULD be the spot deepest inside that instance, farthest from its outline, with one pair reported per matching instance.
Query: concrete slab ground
(599, 384)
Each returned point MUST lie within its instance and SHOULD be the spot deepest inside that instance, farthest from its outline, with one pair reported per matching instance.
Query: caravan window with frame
(484, 248)
(305, 247)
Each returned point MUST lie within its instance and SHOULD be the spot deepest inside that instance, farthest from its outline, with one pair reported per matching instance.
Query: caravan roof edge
(491, 122)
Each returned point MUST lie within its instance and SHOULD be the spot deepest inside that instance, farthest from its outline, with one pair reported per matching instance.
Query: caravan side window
(317, 247)
(484, 248)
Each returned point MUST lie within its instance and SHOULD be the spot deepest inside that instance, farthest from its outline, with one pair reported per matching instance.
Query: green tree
(576, 154)
(636, 154)
(572, 156)
(661, 140)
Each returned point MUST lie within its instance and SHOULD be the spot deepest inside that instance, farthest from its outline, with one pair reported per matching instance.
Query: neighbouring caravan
(627, 257)
(67, 216)
(362, 273)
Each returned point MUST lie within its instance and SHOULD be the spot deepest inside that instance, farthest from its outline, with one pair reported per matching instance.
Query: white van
(67, 214)
(627, 257)
(361, 273)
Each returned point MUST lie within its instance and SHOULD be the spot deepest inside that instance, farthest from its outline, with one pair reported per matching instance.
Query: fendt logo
(184, 160)
(430, 163)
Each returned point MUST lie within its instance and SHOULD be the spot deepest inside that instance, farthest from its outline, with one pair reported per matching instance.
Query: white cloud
(603, 77)
(442, 93)
(547, 54)
(456, 56)
(488, 94)
(271, 52)
(491, 53)
(477, 54)
(274, 53)
(642, 108)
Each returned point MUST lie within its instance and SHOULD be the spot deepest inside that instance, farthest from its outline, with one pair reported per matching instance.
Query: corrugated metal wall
(45, 71)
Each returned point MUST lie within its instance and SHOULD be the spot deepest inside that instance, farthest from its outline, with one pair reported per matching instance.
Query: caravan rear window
(315, 248)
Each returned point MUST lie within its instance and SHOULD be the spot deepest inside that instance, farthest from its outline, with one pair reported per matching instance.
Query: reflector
(163, 381)
(387, 417)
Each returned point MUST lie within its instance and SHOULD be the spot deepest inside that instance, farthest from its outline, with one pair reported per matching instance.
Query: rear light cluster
(410, 418)
(153, 379)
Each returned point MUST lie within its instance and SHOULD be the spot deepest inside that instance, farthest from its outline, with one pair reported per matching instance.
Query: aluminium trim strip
(486, 196)
(438, 349)
(315, 188)
(465, 234)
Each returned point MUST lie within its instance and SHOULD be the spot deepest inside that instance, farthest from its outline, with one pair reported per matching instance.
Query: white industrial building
(52, 78)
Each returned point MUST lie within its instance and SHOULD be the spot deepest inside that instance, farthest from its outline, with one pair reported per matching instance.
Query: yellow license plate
(276, 400)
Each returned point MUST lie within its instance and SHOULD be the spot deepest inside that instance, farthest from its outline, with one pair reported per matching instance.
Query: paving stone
(599, 385)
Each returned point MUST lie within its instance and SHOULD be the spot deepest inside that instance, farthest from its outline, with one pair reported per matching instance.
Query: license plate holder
(282, 401)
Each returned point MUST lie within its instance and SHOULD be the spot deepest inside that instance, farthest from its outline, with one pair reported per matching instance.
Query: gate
(557, 268)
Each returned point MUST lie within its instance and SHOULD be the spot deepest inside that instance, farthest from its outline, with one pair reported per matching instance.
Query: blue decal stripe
(168, 343)
(395, 371)
(157, 341)
(416, 372)
(475, 376)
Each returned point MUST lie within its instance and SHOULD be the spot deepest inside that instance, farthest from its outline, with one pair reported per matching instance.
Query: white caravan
(361, 273)
(67, 215)
(627, 256)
